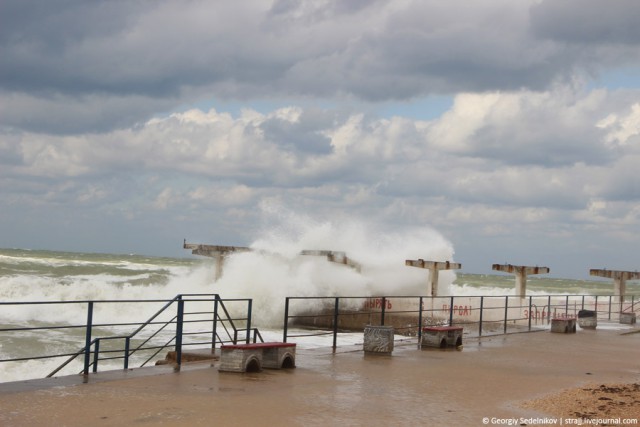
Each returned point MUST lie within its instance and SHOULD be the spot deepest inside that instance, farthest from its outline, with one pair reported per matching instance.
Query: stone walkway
(488, 379)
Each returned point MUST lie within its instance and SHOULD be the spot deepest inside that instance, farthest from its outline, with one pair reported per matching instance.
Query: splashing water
(275, 269)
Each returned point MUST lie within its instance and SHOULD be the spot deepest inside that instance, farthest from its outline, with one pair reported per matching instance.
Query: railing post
(179, 326)
(96, 355)
(335, 323)
(481, 312)
(420, 323)
(248, 337)
(127, 344)
(384, 303)
(214, 332)
(285, 326)
(621, 302)
(87, 345)
(451, 311)
(548, 309)
(566, 306)
(530, 305)
(610, 298)
(506, 312)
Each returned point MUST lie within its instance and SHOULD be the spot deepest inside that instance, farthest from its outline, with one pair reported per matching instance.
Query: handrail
(497, 314)
(69, 360)
(159, 350)
(167, 305)
(177, 338)
(226, 312)
(506, 315)
(84, 350)
(632, 307)
(150, 337)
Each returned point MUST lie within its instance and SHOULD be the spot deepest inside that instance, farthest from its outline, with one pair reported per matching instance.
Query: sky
(511, 128)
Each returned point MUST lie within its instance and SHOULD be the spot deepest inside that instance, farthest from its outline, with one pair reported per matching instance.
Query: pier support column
(219, 265)
(521, 272)
(434, 269)
(619, 279)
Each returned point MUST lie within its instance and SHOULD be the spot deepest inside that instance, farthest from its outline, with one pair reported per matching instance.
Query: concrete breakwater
(487, 313)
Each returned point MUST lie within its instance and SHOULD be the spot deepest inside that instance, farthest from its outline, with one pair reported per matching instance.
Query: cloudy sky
(510, 127)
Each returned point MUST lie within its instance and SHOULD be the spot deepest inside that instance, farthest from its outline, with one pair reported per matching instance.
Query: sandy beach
(538, 378)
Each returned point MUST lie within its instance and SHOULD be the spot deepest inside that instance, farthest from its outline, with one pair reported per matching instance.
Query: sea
(267, 277)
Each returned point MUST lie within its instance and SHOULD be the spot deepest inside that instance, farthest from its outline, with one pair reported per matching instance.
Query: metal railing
(206, 320)
(176, 325)
(480, 315)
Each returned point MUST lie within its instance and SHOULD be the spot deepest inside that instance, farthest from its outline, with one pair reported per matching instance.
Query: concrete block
(255, 356)
(563, 325)
(588, 319)
(282, 356)
(441, 336)
(378, 339)
(628, 318)
(234, 359)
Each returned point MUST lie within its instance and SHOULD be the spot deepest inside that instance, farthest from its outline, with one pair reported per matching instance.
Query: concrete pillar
(521, 272)
(619, 279)
(434, 269)
(219, 265)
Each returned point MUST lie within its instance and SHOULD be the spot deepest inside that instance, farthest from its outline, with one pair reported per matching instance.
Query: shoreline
(496, 377)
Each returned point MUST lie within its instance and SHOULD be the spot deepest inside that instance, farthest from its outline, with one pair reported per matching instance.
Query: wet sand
(489, 381)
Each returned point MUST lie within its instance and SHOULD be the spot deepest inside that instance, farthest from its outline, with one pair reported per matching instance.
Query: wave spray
(275, 268)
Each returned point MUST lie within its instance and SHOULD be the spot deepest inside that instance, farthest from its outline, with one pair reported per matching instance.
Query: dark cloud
(291, 10)
(58, 113)
(176, 53)
(588, 22)
(56, 46)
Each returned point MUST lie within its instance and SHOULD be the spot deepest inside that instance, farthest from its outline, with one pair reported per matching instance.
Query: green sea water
(546, 285)
(32, 273)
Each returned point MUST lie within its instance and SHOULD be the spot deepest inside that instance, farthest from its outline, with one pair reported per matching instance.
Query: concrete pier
(334, 256)
(214, 251)
(521, 272)
(434, 268)
(221, 252)
(619, 279)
